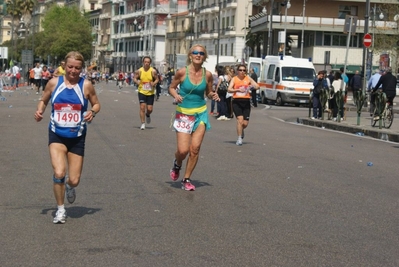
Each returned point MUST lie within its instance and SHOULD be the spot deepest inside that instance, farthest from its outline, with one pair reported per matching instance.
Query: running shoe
(175, 171)
(187, 185)
(239, 142)
(70, 193)
(60, 216)
(148, 118)
(142, 126)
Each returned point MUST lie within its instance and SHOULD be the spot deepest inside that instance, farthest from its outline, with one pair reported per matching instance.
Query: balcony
(318, 24)
(105, 16)
(175, 35)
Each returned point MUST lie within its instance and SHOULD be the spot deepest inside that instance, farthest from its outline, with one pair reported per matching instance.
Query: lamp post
(269, 32)
(381, 17)
(287, 6)
(174, 49)
(303, 27)
(245, 50)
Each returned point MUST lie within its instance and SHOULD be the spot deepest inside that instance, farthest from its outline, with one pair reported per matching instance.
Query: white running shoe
(142, 126)
(239, 142)
(148, 119)
(70, 193)
(221, 118)
(60, 216)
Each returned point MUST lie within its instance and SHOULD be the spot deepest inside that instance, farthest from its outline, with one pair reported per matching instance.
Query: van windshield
(298, 74)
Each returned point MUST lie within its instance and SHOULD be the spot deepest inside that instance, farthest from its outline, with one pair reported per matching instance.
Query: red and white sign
(367, 40)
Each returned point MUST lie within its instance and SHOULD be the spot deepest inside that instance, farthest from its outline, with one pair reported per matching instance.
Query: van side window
(277, 76)
(270, 72)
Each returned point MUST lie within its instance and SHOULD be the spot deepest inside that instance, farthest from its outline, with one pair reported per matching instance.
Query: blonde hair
(190, 51)
(76, 56)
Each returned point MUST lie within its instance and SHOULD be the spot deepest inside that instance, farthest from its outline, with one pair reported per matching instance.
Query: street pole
(218, 40)
(366, 30)
(287, 6)
(269, 38)
(303, 27)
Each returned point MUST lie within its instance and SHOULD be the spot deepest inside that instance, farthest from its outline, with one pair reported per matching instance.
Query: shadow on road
(74, 212)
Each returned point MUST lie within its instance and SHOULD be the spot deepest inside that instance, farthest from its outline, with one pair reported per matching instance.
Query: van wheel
(279, 100)
(264, 99)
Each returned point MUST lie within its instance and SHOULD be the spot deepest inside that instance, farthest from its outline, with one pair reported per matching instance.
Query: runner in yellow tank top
(146, 78)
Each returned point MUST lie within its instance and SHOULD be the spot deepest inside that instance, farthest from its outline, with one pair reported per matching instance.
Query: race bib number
(67, 115)
(243, 93)
(147, 86)
(184, 123)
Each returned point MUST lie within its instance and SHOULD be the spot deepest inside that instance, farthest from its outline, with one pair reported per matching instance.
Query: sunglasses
(241, 70)
(195, 52)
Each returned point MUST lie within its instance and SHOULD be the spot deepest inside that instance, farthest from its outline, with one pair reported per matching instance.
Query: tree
(65, 29)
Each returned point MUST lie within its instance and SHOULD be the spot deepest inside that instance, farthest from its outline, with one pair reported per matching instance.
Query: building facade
(316, 29)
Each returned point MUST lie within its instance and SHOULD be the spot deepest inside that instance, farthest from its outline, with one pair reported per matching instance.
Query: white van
(286, 80)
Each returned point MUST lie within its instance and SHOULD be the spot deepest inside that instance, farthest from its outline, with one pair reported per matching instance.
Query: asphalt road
(292, 195)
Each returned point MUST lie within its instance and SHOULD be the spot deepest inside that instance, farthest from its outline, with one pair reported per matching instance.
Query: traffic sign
(367, 40)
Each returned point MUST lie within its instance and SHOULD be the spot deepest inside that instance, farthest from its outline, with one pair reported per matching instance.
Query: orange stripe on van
(281, 87)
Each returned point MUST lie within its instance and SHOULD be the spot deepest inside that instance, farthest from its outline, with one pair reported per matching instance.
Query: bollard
(339, 100)
(380, 101)
(358, 98)
(324, 92)
(310, 102)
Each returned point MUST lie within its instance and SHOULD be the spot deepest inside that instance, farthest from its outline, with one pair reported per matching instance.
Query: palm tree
(20, 10)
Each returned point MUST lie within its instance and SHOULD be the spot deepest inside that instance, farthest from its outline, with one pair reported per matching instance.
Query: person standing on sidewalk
(338, 86)
(68, 96)
(318, 84)
(146, 78)
(356, 84)
(191, 119)
(254, 77)
(241, 86)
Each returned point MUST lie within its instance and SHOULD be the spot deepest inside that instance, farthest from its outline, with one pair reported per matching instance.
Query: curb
(364, 130)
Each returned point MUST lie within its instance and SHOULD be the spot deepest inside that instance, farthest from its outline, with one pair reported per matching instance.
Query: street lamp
(245, 50)
(269, 38)
(381, 17)
(175, 55)
(287, 6)
(303, 27)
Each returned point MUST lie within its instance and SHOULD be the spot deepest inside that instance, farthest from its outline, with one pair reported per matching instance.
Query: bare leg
(186, 144)
(58, 161)
(142, 112)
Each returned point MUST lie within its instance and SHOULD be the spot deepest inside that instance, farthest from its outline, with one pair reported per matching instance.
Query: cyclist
(388, 83)
(370, 85)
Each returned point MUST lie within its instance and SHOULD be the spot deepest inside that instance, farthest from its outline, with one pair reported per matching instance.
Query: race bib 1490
(67, 115)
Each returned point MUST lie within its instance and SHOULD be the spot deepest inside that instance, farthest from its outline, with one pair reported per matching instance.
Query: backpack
(18, 76)
(224, 85)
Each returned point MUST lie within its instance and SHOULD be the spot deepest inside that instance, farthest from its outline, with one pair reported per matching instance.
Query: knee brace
(59, 181)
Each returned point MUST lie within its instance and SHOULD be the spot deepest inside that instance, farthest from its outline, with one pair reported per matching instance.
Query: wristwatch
(93, 112)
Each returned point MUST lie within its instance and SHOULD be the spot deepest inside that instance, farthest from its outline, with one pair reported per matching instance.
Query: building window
(221, 48)
(231, 49)
(232, 20)
(8, 33)
(347, 10)
(91, 6)
(225, 49)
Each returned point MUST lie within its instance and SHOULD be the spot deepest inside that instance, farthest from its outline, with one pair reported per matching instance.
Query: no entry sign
(367, 40)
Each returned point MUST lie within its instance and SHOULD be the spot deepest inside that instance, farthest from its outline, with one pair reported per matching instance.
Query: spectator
(254, 77)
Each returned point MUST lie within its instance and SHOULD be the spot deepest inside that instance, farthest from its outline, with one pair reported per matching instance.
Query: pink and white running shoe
(187, 185)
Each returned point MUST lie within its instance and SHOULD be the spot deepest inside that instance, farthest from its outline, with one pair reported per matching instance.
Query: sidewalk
(350, 124)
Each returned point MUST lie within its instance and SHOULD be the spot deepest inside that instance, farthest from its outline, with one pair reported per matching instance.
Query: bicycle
(386, 115)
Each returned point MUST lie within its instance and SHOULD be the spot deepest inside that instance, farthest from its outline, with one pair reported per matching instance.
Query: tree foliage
(65, 29)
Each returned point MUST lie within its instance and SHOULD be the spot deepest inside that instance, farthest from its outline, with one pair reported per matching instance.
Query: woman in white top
(338, 84)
